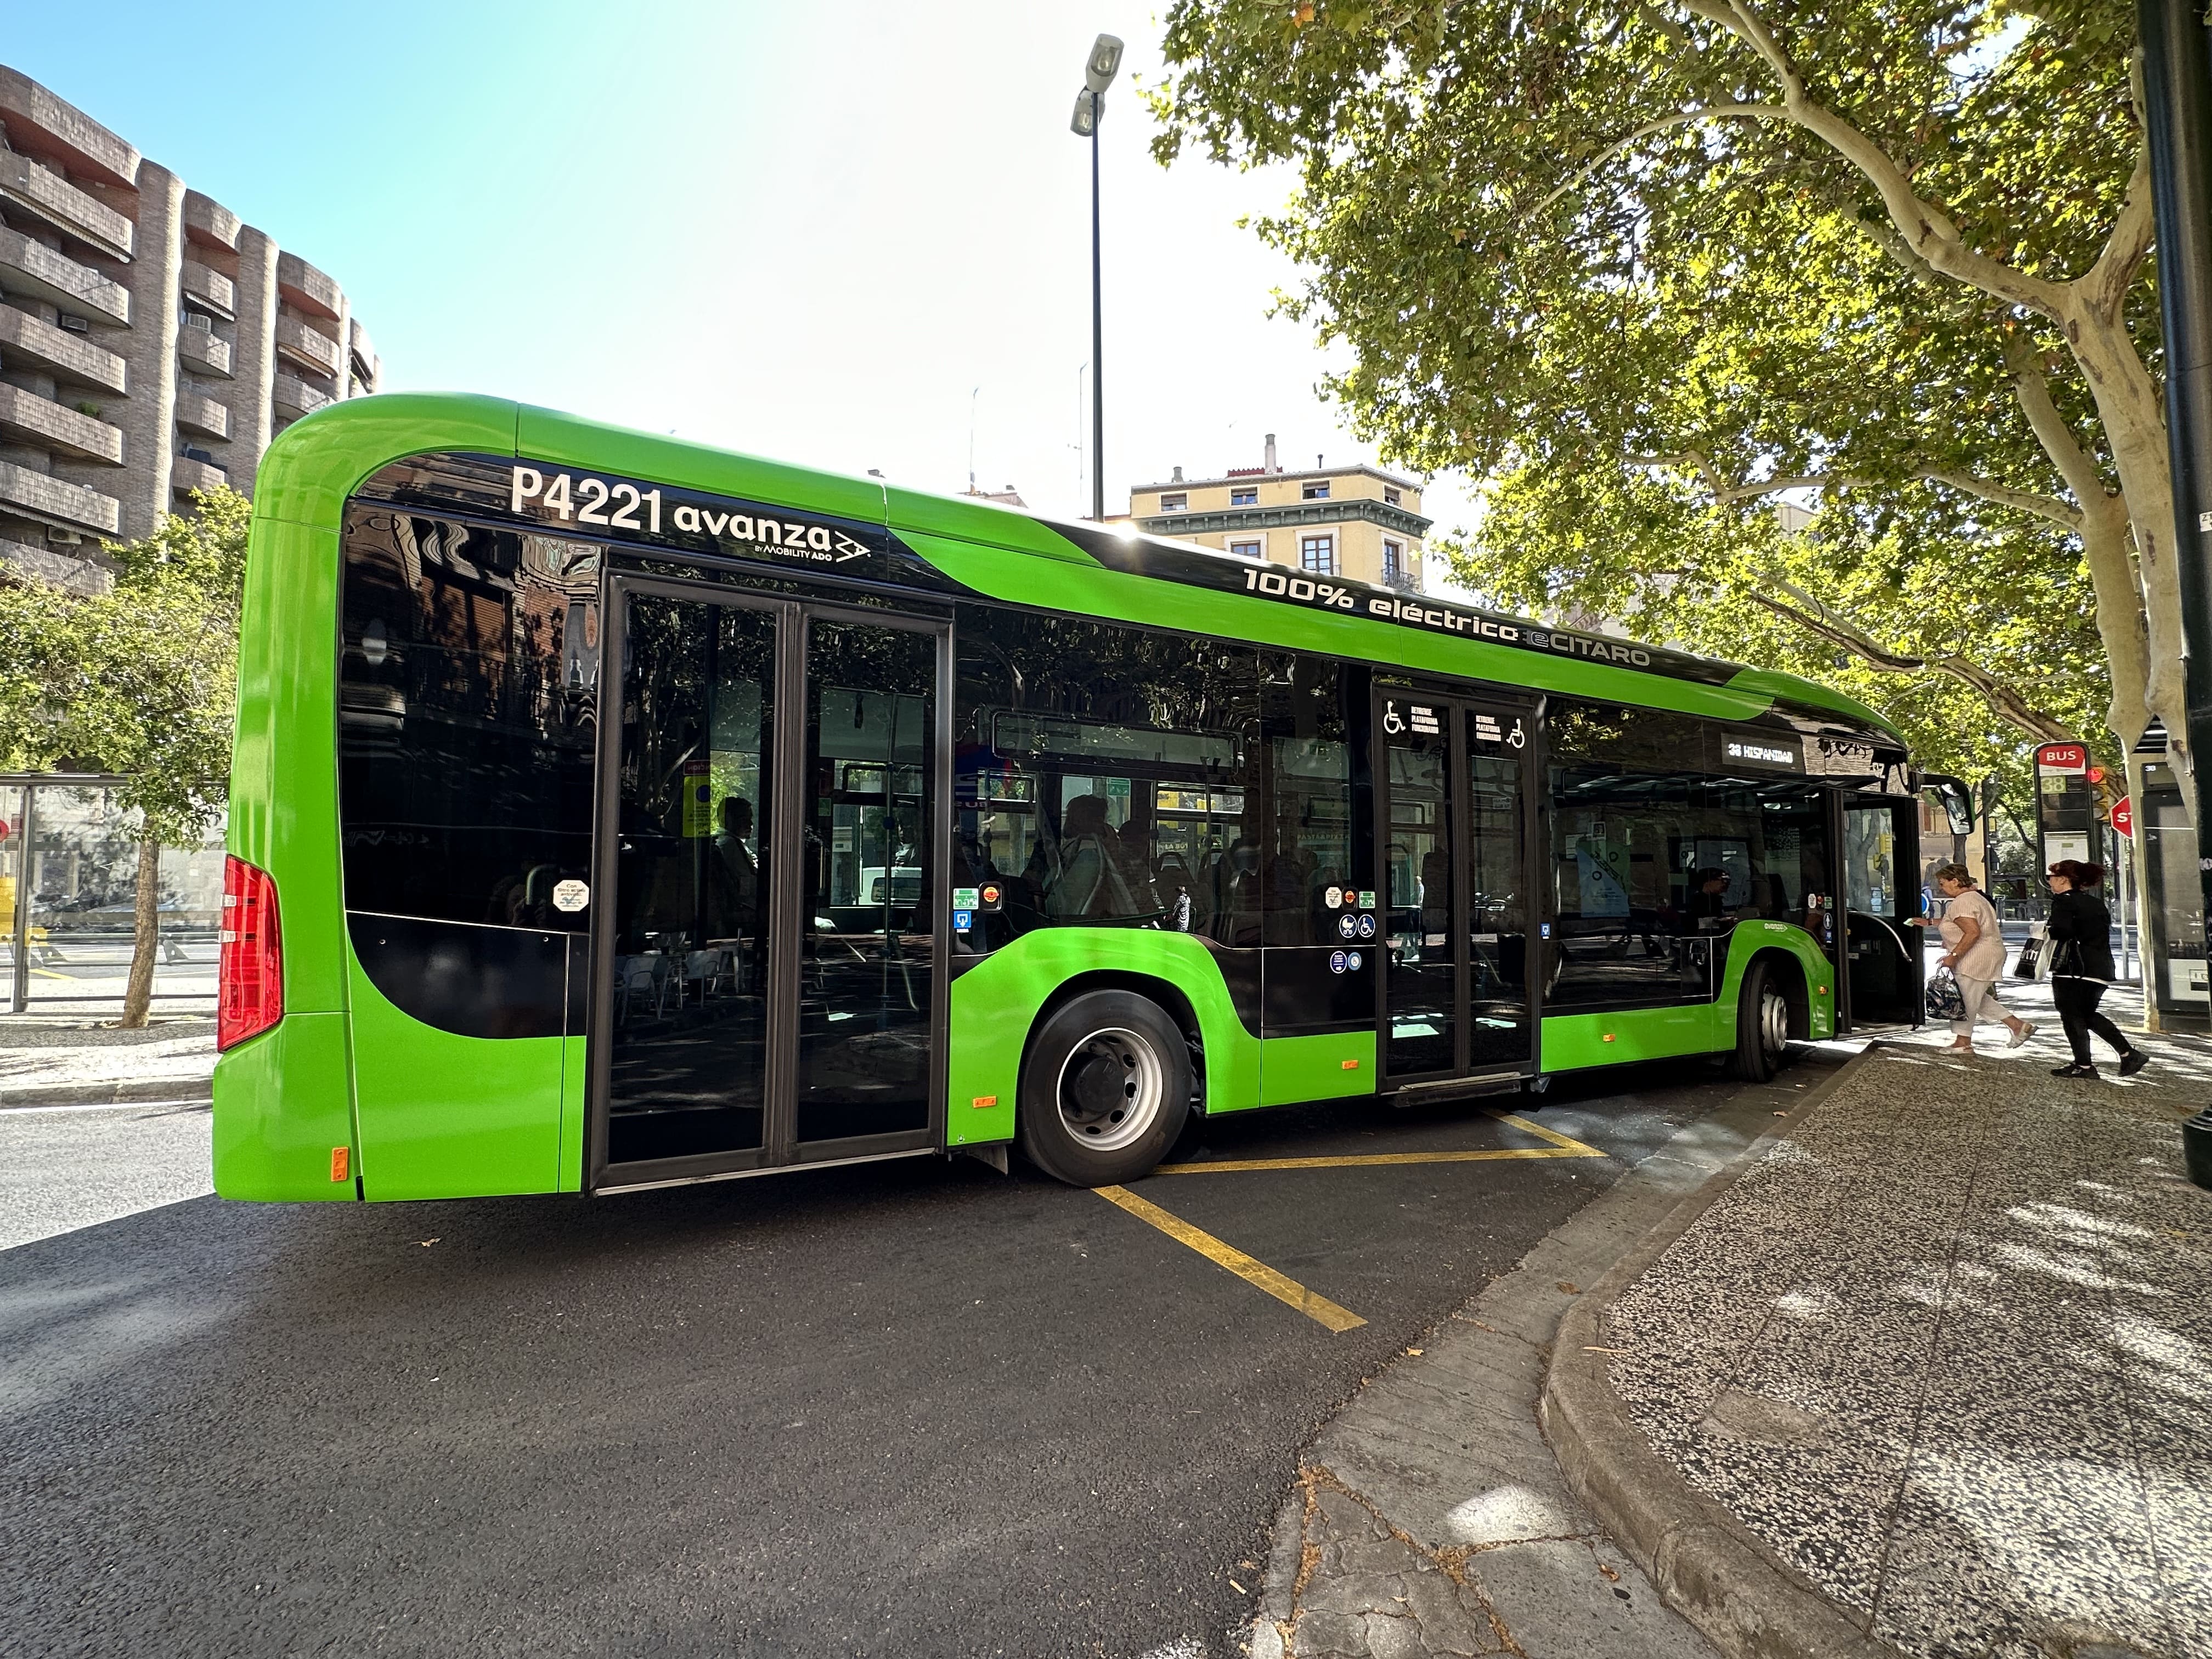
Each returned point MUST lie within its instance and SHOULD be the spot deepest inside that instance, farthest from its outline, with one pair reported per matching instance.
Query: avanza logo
(784, 535)
(618, 505)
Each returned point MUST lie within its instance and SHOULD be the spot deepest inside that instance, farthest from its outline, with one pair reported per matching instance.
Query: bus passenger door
(767, 966)
(1453, 809)
(1882, 977)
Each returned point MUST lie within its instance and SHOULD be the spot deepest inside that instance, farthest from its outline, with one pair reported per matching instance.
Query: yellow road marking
(1288, 1292)
(1561, 1147)
(48, 973)
(1573, 1148)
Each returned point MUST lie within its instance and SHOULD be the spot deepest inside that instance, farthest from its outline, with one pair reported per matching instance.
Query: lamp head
(1105, 62)
(1086, 120)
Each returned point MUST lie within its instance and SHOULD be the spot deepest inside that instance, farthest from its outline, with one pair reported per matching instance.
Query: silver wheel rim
(1773, 1022)
(1110, 1089)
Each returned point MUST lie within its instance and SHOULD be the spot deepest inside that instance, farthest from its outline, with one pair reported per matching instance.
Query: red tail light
(249, 979)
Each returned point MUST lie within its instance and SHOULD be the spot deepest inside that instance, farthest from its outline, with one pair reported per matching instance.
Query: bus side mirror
(1957, 798)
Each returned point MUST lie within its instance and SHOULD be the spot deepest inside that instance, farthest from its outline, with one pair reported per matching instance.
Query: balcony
(55, 501)
(41, 191)
(33, 268)
(197, 412)
(202, 348)
(68, 432)
(39, 124)
(21, 560)
(316, 353)
(69, 356)
(188, 473)
(294, 397)
(210, 287)
(307, 289)
(209, 222)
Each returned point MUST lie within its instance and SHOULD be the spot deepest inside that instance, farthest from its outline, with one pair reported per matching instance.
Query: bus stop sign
(2062, 760)
(2124, 816)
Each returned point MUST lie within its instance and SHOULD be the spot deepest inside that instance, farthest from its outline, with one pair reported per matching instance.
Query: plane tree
(1651, 271)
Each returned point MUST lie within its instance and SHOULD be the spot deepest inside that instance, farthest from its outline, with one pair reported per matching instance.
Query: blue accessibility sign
(963, 921)
(1337, 960)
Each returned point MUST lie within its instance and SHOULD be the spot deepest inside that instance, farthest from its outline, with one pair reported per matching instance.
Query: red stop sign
(2124, 816)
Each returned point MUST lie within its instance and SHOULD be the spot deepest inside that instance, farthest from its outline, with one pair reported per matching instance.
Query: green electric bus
(611, 812)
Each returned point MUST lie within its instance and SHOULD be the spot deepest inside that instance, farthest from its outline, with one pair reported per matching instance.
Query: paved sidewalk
(1430, 1517)
(45, 1061)
(1941, 1354)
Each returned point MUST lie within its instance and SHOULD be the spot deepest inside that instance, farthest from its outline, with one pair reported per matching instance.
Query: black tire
(1762, 1025)
(1105, 1090)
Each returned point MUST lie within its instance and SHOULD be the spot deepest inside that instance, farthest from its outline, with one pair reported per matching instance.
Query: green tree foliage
(1646, 269)
(141, 682)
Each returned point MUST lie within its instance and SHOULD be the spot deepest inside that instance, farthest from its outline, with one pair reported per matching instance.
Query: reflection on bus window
(1654, 860)
(468, 675)
(1102, 779)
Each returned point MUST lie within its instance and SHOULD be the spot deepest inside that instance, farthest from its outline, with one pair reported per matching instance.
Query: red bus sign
(2124, 816)
(2060, 760)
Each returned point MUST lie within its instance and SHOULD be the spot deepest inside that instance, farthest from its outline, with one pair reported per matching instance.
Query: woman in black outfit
(2081, 934)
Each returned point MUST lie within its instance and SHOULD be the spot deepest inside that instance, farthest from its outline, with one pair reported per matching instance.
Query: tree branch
(1998, 495)
(2006, 703)
(2031, 388)
(1926, 230)
(1683, 118)
(2105, 284)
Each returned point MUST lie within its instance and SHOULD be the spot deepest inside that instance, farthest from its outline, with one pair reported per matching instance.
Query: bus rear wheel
(1762, 1025)
(1105, 1089)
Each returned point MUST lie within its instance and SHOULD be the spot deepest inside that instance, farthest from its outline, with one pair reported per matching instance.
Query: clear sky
(805, 230)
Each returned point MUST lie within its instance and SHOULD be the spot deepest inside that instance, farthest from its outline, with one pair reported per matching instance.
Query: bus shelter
(68, 874)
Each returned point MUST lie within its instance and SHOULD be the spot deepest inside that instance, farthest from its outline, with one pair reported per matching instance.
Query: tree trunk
(138, 994)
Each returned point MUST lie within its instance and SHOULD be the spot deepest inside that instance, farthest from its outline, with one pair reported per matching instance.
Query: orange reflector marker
(1351, 1064)
(1824, 990)
(981, 1101)
(341, 1162)
(1608, 1036)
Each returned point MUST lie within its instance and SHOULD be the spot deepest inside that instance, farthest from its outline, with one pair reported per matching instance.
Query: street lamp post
(2177, 79)
(1098, 72)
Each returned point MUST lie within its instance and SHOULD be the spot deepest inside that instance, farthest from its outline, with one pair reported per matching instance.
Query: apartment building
(1353, 521)
(150, 343)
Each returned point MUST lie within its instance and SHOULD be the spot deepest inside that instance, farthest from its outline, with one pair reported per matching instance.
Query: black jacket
(2081, 932)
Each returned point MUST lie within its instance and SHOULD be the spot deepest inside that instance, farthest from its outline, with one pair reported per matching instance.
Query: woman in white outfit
(1974, 951)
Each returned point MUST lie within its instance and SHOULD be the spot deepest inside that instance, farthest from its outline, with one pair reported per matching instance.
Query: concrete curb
(197, 1090)
(1708, 1566)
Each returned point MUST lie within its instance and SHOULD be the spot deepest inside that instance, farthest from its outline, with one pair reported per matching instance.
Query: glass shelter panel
(69, 886)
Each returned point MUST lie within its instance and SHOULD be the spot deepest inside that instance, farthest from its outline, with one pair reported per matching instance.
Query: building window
(1244, 495)
(1391, 497)
(1318, 554)
(1249, 550)
(1316, 490)
(1175, 503)
(1394, 561)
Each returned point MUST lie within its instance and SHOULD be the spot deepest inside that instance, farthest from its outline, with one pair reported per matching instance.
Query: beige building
(1339, 522)
(150, 343)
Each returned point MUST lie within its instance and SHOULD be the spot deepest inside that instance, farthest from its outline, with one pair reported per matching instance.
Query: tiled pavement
(1946, 1349)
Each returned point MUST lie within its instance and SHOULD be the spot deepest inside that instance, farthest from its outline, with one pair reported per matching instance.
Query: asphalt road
(915, 1408)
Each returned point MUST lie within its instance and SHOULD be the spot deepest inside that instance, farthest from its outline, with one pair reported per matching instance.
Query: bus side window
(1101, 769)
